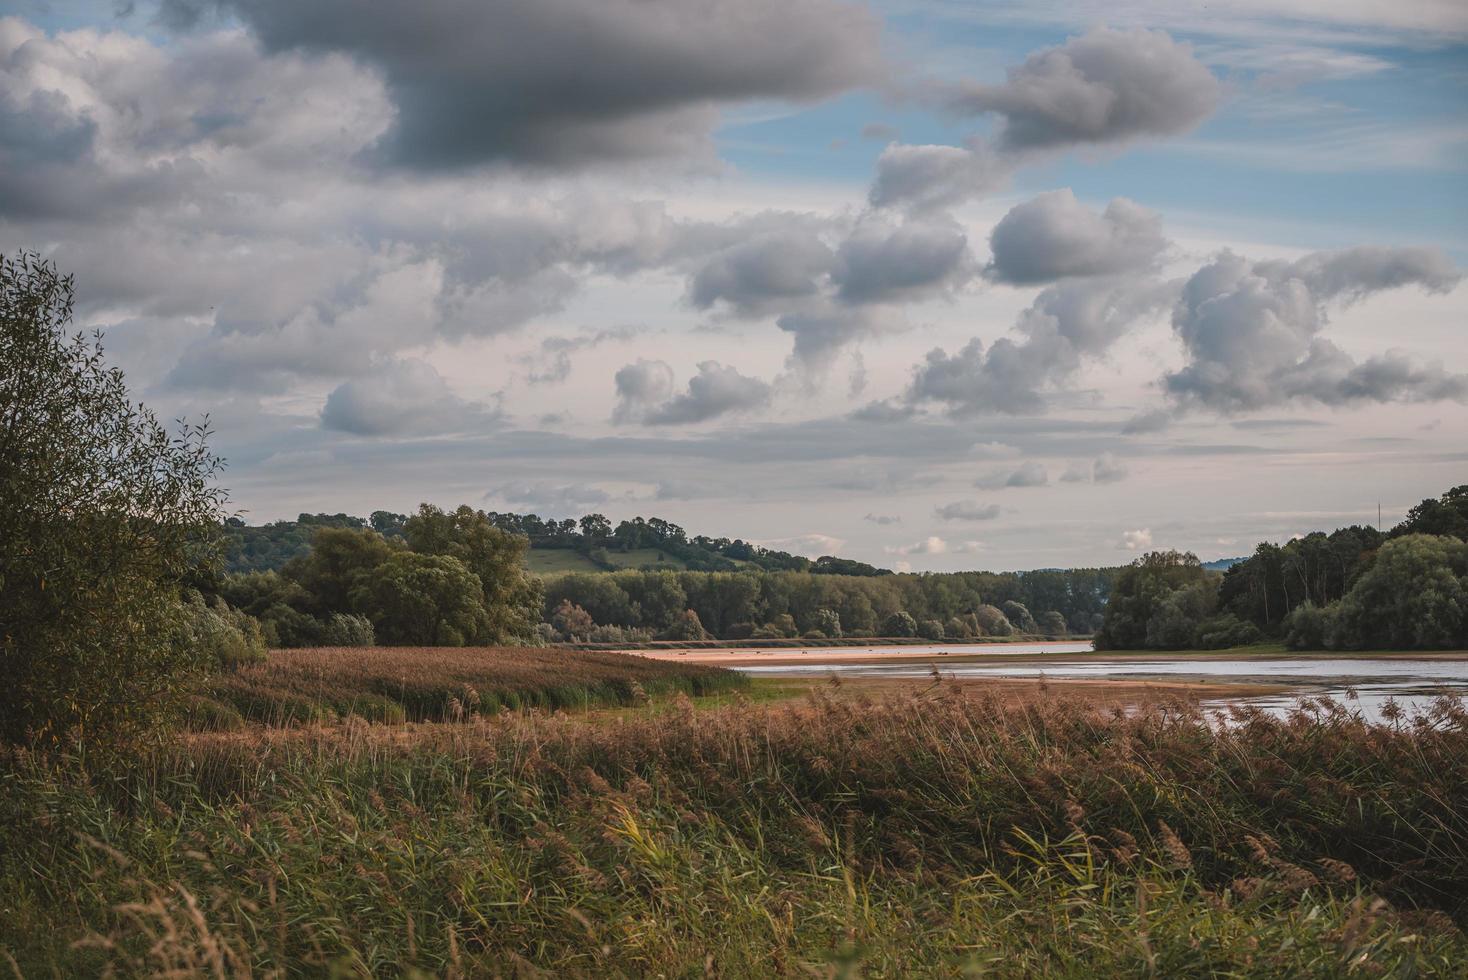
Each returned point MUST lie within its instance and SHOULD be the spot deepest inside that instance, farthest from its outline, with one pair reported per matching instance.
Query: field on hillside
(930, 833)
(558, 561)
(395, 684)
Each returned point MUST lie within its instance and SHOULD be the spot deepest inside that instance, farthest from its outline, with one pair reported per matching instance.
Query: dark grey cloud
(1066, 325)
(1251, 332)
(49, 166)
(1054, 236)
(915, 260)
(883, 520)
(879, 132)
(400, 397)
(967, 510)
(1106, 88)
(763, 273)
(568, 82)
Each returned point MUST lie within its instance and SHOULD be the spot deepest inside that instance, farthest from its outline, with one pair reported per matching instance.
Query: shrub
(828, 621)
(930, 629)
(103, 516)
(204, 714)
(686, 627)
(1312, 627)
(1053, 623)
(1019, 617)
(992, 622)
(1226, 630)
(223, 638)
(899, 624)
(958, 628)
(571, 621)
(348, 630)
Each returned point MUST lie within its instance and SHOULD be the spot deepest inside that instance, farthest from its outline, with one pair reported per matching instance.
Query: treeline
(769, 605)
(1353, 589)
(456, 578)
(271, 546)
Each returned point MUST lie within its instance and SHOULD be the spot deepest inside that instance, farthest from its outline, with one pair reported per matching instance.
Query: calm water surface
(1372, 680)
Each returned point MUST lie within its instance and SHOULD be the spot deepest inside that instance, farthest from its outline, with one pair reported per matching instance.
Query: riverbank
(821, 643)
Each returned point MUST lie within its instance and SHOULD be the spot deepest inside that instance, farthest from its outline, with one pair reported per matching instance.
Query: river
(1363, 681)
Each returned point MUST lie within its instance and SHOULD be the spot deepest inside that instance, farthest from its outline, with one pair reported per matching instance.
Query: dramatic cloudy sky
(931, 283)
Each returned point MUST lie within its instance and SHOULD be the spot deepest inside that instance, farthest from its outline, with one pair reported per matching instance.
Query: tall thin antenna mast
(1378, 515)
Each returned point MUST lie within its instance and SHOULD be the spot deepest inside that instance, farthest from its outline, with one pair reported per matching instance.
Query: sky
(933, 284)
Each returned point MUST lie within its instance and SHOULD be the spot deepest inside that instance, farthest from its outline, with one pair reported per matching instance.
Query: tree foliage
(104, 517)
(1352, 589)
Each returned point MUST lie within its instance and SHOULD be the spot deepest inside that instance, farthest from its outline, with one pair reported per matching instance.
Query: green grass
(562, 561)
(558, 561)
(641, 557)
(938, 835)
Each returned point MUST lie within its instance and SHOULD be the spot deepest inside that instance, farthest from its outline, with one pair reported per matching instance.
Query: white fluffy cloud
(1251, 332)
(1138, 540)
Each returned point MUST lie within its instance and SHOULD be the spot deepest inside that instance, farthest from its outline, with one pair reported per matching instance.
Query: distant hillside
(590, 544)
(1222, 564)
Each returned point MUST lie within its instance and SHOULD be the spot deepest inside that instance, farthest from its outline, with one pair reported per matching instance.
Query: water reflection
(1371, 681)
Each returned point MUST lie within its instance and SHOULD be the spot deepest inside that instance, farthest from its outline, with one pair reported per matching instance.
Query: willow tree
(104, 515)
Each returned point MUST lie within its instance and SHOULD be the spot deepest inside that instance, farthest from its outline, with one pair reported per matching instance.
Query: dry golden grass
(395, 684)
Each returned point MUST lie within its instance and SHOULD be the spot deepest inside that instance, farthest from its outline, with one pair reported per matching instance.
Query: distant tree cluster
(757, 604)
(438, 578)
(1353, 589)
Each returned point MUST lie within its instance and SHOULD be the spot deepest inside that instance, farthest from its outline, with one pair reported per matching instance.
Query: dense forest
(396, 579)
(1354, 588)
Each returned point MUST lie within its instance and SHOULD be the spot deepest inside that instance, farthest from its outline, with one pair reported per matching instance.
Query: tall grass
(394, 684)
(920, 835)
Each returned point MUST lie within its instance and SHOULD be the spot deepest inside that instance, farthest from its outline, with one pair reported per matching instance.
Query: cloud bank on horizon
(792, 271)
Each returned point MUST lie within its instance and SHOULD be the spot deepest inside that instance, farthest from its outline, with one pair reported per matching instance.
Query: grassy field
(395, 684)
(928, 834)
(559, 561)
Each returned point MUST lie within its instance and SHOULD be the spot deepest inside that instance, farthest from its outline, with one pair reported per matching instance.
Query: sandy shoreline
(994, 653)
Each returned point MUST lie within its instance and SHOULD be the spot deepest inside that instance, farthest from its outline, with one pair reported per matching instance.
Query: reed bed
(396, 684)
(931, 834)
